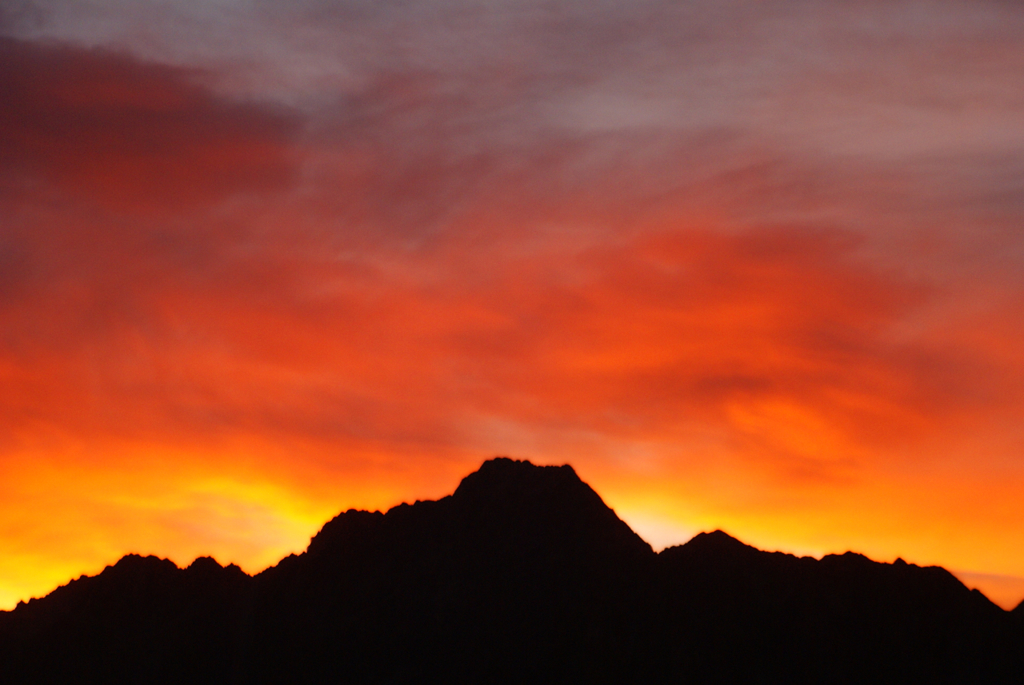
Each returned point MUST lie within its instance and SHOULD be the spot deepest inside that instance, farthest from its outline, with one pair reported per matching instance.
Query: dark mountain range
(522, 574)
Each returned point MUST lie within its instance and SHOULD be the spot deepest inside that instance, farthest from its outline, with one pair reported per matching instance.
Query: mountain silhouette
(522, 574)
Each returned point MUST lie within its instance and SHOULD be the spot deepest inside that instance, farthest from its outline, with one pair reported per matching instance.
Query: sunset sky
(755, 265)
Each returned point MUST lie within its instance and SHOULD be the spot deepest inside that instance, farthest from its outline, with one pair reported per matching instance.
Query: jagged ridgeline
(522, 575)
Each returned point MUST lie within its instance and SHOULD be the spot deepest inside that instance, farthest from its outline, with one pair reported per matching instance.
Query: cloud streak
(110, 129)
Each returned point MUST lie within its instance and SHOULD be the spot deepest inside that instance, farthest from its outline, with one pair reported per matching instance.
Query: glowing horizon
(258, 510)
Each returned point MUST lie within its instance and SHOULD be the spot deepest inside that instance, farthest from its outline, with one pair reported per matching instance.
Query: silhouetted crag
(141, 620)
(522, 574)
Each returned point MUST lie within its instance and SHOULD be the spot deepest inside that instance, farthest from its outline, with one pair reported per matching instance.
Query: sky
(748, 265)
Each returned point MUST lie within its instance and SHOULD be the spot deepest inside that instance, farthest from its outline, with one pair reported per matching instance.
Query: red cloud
(124, 133)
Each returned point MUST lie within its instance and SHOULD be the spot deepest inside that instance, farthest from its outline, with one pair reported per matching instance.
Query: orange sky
(750, 266)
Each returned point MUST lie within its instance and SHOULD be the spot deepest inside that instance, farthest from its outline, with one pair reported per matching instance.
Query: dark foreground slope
(141, 620)
(523, 573)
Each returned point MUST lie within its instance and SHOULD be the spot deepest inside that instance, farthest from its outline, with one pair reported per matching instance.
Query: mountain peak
(714, 547)
(502, 474)
(506, 504)
(718, 541)
(506, 496)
